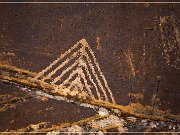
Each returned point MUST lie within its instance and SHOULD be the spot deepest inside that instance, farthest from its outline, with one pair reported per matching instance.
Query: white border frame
(92, 2)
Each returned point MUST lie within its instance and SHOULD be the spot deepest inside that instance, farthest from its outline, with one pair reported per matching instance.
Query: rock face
(110, 121)
(21, 108)
(133, 43)
(75, 129)
(103, 112)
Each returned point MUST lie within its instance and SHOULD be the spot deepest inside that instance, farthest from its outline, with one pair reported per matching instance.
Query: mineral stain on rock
(170, 41)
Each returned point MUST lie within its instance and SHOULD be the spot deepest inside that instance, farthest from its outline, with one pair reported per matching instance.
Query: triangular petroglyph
(77, 69)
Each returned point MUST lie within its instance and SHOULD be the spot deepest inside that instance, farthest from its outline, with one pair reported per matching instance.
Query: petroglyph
(64, 72)
(79, 71)
(98, 44)
(57, 60)
(130, 59)
(143, 58)
(60, 66)
(170, 41)
(101, 74)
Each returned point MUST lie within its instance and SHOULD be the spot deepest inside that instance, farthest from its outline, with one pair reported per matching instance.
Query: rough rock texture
(135, 44)
(27, 109)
